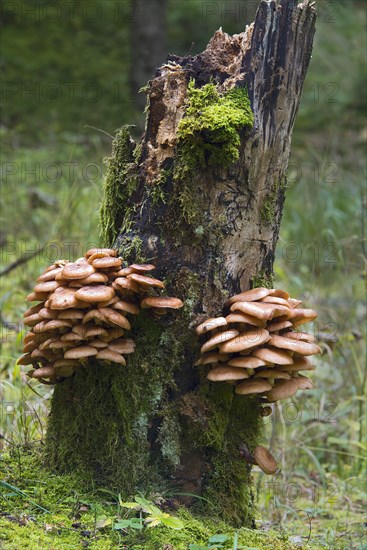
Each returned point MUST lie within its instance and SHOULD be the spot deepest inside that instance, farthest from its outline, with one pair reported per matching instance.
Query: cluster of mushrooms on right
(256, 347)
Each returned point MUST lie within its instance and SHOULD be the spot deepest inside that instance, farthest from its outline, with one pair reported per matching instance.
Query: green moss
(263, 279)
(120, 183)
(131, 248)
(75, 516)
(269, 208)
(209, 133)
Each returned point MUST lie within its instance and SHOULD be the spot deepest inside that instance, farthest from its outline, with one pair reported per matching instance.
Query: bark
(211, 230)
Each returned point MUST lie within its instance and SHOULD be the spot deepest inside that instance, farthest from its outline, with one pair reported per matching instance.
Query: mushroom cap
(276, 325)
(141, 267)
(245, 340)
(98, 344)
(218, 339)
(37, 296)
(64, 299)
(114, 317)
(127, 284)
(212, 357)
(57, 324)
(32, 310)
(299, 316)
(71, 314)
(107, 303)
(294, 303)
(266, 411)
(272, 373)
(161, 302)
(107, 262)
(280, 293)
(47, 313)
(112, 334)
(249, 296)
(94, 314)
(24, 359)
(273, 355)
(299, 363)
(32, 320)
(303, 382)
(108, 251)
(265, 460)
(243, 318)
(44, 372)
(77, 270)
(304, 336)
(210, 324)
(282, 390)
(125, 271)
(248, 362)
(109, 355)
(253, 386)
(275, 300)
(80, 352)
(47, 286)
(95, 293)
(49, 275)
(95, 331)
(97, 277)
(304, 348)
(145, 281)
(61, 363)
(126, 306)
(260, 309)
(71, 337)
(223, 373)
(122, 345)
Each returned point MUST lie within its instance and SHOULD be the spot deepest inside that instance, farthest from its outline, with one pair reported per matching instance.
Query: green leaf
(131, 505)
(103, 521)
(134, 523)
(218, 539)
(173, 523)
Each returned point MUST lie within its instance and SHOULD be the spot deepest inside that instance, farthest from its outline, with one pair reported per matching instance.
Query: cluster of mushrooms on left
(82, 313)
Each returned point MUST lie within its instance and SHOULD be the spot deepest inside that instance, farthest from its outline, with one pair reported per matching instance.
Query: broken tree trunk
(201, 197)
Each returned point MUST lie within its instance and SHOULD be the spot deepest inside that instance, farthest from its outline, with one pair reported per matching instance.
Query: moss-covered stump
(200, 197)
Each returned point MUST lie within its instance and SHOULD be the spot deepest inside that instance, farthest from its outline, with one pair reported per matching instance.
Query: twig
(20, 261)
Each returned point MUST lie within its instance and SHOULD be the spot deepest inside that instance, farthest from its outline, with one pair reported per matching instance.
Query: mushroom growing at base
(82, 314)
(261, 457)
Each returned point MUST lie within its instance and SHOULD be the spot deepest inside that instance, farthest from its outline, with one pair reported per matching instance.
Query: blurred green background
(71, 71)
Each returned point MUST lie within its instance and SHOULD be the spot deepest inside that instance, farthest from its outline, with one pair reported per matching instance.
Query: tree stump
(201, 197)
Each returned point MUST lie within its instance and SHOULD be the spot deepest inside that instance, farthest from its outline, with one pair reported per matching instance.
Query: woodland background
(71, 71)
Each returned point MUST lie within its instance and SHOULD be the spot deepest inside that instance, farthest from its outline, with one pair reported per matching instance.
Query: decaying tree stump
(201, 197)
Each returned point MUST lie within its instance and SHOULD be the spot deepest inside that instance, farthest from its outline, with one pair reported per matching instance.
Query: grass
(320, 438)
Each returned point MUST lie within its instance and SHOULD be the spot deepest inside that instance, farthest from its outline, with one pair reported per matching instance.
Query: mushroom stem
(245, 453)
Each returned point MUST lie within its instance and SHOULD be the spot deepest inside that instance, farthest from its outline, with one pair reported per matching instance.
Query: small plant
(155, 516)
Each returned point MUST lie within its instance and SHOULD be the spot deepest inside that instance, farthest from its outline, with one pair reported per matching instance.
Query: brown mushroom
(253, 386)
(265, 460)
(218, 339)
(245, 341)
(161, 302)
(210, 324)
(223, 373)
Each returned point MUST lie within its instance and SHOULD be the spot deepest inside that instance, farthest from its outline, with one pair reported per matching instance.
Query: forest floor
(45, 511)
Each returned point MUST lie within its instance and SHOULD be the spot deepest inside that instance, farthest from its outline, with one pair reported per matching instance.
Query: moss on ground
(84, 518)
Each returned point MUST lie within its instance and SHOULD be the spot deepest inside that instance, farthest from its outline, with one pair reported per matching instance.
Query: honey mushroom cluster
(82, 313)
(257, 346)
